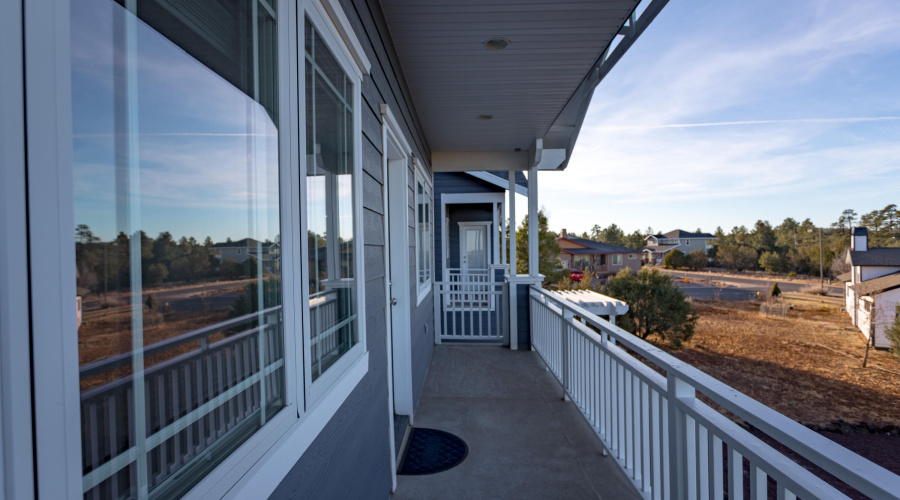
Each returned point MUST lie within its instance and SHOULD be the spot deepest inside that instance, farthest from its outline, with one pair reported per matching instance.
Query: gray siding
(421, 314)
(350, 457)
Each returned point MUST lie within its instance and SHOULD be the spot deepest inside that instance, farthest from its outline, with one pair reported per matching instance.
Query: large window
(424, 216)
(330, 205)
(176, 202)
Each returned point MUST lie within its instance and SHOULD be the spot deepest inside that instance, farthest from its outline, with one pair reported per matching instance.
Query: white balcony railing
(470, 307)
(671, 444)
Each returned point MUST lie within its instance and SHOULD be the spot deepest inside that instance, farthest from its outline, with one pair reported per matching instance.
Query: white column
(533, 224)
(513, 270)
(511, 285)
(495, 241)
(502, 210)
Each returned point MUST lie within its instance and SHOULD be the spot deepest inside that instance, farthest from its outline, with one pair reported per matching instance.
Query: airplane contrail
(751, 122)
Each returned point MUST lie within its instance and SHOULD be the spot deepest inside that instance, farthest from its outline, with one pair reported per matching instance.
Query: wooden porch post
(513, 270)
(511, 290)
(533, 224)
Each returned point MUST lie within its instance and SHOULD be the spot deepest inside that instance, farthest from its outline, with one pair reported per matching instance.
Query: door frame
(448, 199)
(395, 186)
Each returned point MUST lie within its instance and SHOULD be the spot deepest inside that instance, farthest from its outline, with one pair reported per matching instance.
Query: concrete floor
(524, 440)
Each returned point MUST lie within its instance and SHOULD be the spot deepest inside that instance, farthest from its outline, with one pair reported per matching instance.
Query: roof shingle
(888, 257)
(878, 285)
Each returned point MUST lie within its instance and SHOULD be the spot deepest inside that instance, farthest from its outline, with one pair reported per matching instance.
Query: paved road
(753, 285)
(709, 292)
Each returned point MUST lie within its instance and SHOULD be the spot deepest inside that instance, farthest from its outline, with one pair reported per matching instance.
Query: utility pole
(821, 263)
(821, 268)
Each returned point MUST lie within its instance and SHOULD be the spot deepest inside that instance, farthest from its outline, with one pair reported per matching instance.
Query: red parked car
(576, 274)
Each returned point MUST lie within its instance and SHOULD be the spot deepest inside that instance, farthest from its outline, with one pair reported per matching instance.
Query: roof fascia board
(551, 159)
(465, 161)
(497, 181)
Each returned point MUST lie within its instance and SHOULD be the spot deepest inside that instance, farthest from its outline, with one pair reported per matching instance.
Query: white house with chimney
(872, 290)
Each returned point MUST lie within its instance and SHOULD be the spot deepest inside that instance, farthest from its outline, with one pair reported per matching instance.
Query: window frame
(321, 19)
(423, 289)
(257, 466)
(16, 454)
(617, 259)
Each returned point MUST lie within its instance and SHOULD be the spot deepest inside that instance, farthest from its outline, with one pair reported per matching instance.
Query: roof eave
(565, 129)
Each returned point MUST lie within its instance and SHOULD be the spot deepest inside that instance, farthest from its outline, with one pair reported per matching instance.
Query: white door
(473, 248)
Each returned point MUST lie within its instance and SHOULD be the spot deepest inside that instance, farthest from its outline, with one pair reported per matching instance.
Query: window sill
(260, 464)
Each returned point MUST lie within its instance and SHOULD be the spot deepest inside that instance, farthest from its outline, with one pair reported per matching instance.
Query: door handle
(393, 301)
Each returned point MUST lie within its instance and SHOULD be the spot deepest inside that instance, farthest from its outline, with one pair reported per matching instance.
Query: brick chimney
(562, 234)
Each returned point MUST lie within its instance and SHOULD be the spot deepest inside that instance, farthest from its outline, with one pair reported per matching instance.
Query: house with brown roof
(658, 245)
(600, 258)
(872, 290)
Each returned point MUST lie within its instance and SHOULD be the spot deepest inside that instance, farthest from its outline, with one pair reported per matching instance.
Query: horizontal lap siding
(350, 457)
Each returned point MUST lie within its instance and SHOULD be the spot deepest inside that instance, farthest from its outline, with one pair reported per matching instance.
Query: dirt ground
(807, 366)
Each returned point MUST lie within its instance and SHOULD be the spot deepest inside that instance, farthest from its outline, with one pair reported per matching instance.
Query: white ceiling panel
(454, 78)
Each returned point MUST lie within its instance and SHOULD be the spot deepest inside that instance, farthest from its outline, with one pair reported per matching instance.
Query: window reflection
(423, 232)
(330, 206)
(177, 243)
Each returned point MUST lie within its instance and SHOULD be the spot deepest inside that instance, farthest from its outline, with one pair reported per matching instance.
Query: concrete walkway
(524, 440)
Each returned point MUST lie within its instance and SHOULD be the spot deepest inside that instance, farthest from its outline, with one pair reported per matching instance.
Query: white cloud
(730, 110)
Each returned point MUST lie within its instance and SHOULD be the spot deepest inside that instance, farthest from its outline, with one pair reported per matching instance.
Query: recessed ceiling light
(498, 43)
(485, 118)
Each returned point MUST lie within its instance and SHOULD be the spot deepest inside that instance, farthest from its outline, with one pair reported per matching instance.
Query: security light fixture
(498, 43)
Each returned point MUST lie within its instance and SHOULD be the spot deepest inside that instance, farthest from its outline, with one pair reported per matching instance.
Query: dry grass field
(807, 366)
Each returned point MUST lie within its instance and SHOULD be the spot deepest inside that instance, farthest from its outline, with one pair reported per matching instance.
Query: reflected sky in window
(197, 137)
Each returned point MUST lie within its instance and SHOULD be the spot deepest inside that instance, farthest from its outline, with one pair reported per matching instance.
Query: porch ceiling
(525, 87)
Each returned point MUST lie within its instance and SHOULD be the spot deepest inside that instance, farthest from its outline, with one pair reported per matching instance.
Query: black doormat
(430, 451)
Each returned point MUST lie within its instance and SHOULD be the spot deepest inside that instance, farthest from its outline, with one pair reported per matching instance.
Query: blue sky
(724, 113)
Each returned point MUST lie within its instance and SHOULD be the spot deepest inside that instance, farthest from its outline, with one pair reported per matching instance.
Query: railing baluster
(716, 474)
(735, 475)
(703, 462)
(758, 483)
(646, 450)
(628, 420)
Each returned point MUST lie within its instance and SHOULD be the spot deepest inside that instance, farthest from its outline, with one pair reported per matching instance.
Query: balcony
(593, 411)
(524, 440)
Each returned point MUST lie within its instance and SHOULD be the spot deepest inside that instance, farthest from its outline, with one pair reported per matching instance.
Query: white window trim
(265, 458)
(615, 257)
(16, 456)
(423, 289)
(320, 16)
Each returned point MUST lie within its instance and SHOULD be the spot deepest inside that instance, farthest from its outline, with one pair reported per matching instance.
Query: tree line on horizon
(791, 246)
(106, 266)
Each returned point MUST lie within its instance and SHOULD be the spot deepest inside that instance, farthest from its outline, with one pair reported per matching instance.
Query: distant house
(602, 259)
(872, 290)
(239, 251)
(658, 245)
